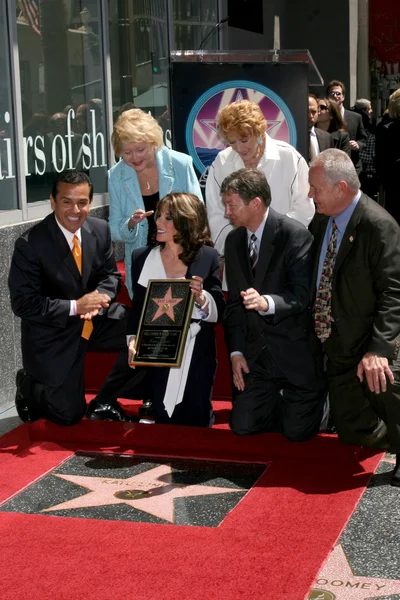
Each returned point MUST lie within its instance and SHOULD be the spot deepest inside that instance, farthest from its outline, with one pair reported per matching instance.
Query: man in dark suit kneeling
(63, 282)
(267, 322)
(357, 304)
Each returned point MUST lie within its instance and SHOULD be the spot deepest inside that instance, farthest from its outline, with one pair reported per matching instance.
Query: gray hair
(362, 104)
(337, 166)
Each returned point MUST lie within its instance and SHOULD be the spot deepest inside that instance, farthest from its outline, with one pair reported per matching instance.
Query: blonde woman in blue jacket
(147, 172)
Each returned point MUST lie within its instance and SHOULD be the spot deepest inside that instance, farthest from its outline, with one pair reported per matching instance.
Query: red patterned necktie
(322, 313)
(77, 254)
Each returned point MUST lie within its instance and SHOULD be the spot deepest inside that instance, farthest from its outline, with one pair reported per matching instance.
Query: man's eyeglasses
(335, 93)
(323, 107)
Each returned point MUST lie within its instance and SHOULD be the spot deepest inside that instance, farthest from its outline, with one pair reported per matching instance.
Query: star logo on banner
(152, 492)
(337, 581)
(166, 306)
(212, 124)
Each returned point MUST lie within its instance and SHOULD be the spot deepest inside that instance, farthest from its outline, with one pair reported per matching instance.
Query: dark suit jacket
(324, 139)
(341, 141)
(388, 154)
(283, 271)
(43, 279)
(366, 281)
(355, 127)
(205, 265)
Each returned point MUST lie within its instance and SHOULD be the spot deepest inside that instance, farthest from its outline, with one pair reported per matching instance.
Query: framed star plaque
(164, 323)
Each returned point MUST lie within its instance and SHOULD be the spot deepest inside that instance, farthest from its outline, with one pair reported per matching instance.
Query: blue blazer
(175, 174)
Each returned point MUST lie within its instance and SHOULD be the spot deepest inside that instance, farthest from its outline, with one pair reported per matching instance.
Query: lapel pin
(351, 239)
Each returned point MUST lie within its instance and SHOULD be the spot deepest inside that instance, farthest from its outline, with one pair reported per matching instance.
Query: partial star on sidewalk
(337, 580)
(152, 492)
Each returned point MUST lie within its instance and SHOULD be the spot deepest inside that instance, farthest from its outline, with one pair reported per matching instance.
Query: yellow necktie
(77, 254)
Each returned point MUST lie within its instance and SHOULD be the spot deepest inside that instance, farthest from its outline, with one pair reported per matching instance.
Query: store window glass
(193, 21)
(139, 57)
(8, 187)
(62, 89)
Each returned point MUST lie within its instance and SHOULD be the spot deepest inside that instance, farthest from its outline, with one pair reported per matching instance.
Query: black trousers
(270, 403)
(65, 404)
(357, 412)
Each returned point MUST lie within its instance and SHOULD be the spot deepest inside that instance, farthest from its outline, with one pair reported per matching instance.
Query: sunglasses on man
(333, 94)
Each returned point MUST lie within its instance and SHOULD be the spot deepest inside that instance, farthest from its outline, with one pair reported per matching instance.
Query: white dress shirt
(69, 237)
(314, 141)
(287, 174)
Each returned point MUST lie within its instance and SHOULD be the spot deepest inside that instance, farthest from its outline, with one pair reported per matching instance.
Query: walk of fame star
(337, 581)
(152, 491)
(166, 305)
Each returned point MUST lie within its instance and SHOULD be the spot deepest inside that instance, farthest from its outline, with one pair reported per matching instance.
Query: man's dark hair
(333, 83)
(313, 96)
(248, 184)
(72, 177)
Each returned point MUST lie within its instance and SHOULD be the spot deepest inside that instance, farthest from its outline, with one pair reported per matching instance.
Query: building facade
(67, 68)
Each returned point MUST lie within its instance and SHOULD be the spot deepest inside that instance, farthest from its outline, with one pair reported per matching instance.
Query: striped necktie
(253, 251)
(77, 254)
(323, 300)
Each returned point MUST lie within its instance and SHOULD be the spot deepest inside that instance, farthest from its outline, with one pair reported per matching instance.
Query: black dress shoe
(146, 410)
(378, 439)
(395, 481)
(25, 409)
(105, 411)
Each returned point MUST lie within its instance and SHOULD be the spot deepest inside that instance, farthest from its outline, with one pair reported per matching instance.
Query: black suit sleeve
(385, 261)
(139, 292)
(361, 136)
(298, 266)
(235, 326)
(212, 284)
(344, 142)
(106, 278)
(25, 284)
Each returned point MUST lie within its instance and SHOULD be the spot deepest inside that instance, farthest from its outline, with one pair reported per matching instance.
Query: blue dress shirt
(341, 220)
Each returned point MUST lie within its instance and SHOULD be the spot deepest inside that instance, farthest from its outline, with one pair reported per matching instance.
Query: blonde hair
(394, 105)
(243, 117)
(134, 126)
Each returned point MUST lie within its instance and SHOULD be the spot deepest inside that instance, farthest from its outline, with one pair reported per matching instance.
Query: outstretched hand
(138, 216)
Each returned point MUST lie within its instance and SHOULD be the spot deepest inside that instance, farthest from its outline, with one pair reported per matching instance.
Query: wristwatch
(197, 305)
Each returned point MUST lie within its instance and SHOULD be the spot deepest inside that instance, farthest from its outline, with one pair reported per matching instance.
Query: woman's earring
(259, 140)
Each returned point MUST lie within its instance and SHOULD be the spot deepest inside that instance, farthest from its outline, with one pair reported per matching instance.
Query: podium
(203, 82)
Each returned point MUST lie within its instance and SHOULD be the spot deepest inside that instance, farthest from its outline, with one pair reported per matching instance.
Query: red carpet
(270, 546)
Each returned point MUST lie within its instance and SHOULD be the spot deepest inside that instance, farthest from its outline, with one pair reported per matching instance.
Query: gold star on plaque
(166, 305)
